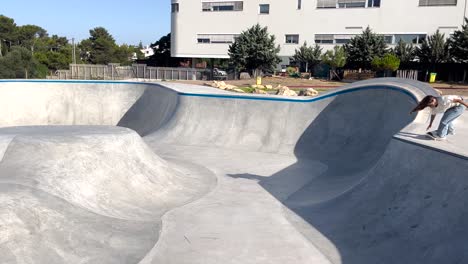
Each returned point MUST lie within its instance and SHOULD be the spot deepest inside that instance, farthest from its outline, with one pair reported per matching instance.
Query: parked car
(219, 74)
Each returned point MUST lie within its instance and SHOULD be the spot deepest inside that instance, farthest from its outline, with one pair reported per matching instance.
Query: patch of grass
(247, 89)
(320, 90)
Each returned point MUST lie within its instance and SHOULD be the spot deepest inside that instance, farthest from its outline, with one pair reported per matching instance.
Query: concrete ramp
(92, 193)
(123, 172)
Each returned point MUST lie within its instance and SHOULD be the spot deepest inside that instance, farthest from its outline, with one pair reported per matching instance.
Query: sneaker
(433, 135)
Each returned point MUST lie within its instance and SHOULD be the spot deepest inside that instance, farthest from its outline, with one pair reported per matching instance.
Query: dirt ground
(458, 89)
(462, 92)
(292, 82)
(446, 88)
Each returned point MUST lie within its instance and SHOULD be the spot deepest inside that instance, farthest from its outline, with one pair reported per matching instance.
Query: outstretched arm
(430, 123)
(461, 102)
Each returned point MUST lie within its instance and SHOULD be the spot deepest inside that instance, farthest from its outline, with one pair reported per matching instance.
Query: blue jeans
(446, 122)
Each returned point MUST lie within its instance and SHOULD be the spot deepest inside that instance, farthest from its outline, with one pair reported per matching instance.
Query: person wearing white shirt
(452, 106)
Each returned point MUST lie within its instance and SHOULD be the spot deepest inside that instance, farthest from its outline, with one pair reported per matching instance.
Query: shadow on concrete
(335, 153)
(415, 136)
(151, 111)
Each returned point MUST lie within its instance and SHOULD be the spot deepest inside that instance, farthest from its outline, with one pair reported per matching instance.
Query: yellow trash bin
(259, 80)
(432, 78)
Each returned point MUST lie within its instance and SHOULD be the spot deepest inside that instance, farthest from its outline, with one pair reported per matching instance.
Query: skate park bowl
(135, 172)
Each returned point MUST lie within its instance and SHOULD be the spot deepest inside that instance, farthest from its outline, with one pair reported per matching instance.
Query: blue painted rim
(240, 97)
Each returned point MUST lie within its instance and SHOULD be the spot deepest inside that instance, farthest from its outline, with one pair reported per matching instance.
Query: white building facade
(147, 51)
(206, 28)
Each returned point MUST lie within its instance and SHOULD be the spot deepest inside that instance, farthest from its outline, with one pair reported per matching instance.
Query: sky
(129, 22)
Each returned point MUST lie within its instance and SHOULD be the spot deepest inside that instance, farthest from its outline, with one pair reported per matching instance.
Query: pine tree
(308, 56)
(162, 53)
(388, 64)
(433, 49)
(458, 44)
(363, 48)
(254, 50)
(404, 51)
(335, 58)
(99, 48)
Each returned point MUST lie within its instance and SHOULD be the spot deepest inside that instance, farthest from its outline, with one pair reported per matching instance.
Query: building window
(203, 40)
(216, 38)
(264, 9)
(175, 8)
(222, 6)
(343, 39)
(388, 39)
(326, 3)
(324, 39)
(299, 4)
(338, 39)
(292, 39)
(348, 3)
(351, 3)
(373, 3)
(410, 38)
(437, 2)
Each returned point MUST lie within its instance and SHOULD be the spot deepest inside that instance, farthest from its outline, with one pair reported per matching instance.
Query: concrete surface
(125, 172)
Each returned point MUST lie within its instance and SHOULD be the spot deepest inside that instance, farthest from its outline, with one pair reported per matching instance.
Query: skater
(452, 106)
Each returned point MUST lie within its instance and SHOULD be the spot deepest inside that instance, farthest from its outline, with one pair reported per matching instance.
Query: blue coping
(257, 98)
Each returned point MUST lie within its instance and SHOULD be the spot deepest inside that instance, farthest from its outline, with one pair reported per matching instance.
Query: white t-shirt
(444, 103)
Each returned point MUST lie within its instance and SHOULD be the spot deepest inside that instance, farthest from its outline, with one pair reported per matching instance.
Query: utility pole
(74, 51)
(464, 14)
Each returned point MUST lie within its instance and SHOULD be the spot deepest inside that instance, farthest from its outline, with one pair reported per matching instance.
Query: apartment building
(206, 28)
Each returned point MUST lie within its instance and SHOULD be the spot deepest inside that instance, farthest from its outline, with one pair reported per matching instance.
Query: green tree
(308, 55)
(54, 52)
(46, 53)
(387, 63)
(19, 63)
(363, 48)
(458, 44)
(433, 49)
(28, 35)
(124, 54)
(137, 49)
(255, 50)
(162, 53)
(404, 51)
(7, 33)
(335, 58)
(99, 48)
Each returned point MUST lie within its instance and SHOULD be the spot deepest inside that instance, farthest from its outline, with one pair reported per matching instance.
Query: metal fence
(141, 71)
(408, 74)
